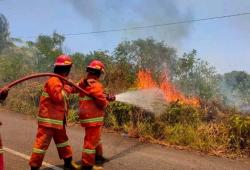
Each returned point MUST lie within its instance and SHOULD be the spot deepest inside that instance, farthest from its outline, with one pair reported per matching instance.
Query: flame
(171, 93)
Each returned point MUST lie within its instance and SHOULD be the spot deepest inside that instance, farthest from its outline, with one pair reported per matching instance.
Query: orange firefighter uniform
(1, 155)
(91, 114)
(3, 96)
(51, 122)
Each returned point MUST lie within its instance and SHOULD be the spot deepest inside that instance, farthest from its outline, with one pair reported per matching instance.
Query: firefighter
(91, 114)
(3, 96)
(53, 110)
(1, 153)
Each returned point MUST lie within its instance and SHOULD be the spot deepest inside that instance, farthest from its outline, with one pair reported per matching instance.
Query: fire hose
(14, 83)
(10, 85)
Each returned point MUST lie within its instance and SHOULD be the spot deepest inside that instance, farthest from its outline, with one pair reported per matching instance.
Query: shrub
(119, 113)
(25, 98)
(239, 132)
(177, 113)
(73, 116)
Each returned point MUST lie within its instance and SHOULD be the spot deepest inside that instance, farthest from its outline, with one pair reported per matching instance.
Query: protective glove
(110, 97)
(3, 94)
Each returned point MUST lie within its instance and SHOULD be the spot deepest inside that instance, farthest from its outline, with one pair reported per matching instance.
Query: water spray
(149, 99)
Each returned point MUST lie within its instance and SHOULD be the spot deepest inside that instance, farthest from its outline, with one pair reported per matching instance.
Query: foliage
(239, 131)
(49, 48)
(183, 114)
(118, 112)
(4, 33)
(147, 54)
(15, 63)
(196, 77)
(236, 87)
(25, 98)
(178, 125)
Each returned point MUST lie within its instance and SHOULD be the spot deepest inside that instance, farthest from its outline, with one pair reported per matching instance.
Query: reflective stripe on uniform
(92, 120)
(38, 151)
(89, 151)
(61, 145)
(85, 98)
(47, 120)
(1, 151)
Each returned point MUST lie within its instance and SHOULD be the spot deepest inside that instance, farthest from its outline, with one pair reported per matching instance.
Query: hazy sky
(224, 43)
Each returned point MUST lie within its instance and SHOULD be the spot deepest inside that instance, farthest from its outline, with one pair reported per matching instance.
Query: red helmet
(63, 60)
(97, 65)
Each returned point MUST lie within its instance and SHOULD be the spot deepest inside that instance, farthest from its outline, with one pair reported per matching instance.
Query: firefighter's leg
(99, 159)
(91, 141)
(99, 151)
(62, 143)
(42, 142)
(64, 149)
(1, 155)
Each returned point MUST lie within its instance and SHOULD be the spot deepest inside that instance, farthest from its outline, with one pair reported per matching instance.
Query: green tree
(78, 66)
(4, 33)
(147, 54)
(15, 63)
(196, 77)
(49, 48)
(235, 87)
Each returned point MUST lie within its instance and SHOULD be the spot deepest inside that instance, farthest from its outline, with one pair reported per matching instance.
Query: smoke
(233, 98)
(115, 14)
(148, 99)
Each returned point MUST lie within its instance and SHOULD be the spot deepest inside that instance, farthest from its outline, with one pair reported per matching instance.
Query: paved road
(18, 133)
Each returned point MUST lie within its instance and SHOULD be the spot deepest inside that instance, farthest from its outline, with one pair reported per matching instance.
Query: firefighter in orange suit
(91, 114)
(3, 96)
(52, 117)
(1, 154)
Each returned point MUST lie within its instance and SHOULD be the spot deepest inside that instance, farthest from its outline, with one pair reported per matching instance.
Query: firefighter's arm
(71, 89)
(96, 91)
(55, 90)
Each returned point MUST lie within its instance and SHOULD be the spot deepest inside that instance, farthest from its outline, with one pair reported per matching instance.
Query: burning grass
(171, 93)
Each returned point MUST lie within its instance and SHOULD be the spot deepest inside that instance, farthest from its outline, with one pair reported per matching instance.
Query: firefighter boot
(69, 164)
(87, 168)
(100, 160)
(97, 167)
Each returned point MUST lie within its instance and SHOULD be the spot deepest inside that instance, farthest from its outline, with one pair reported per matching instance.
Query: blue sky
(224, 43)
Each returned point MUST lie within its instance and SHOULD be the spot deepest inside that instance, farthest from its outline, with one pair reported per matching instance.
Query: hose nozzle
(110, 97)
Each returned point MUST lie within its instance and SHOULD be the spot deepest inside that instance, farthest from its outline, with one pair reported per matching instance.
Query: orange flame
(171, 94)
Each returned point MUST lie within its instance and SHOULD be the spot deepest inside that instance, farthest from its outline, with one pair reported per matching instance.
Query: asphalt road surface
(18, 133)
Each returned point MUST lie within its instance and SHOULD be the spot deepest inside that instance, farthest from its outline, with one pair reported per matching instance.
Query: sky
(224, 43)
